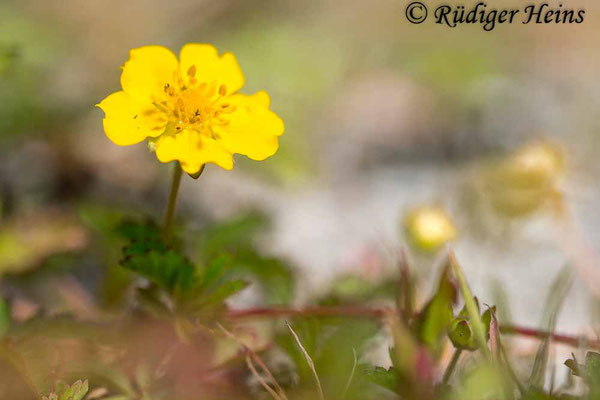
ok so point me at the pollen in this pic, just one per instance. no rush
(196, 106)
(190, 110)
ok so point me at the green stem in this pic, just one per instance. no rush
(170, 215)
(450, 368)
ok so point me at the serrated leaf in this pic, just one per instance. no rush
(222, 292)
(215, 271)
(165, 267)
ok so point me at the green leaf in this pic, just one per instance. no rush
(589, 372)
(433, 322)
(237, 238)
(273, 275)
(592, 365)
(387, 378)
(231, 234)
(214, 272)
(331, 343)
(165, 267)
(482, 381)
(76, 391)
(218, 295)
(149, 256)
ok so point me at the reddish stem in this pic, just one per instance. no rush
(574, 341)
(377, 313)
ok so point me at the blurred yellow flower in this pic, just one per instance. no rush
(429, 228)
(540, 160)
(526, 180)
(189, 110)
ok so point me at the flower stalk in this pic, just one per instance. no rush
(170, 214)
(451, 366)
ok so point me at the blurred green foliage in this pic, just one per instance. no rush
(174, 297)
(104, 296)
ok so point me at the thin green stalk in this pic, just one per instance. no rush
(450, 368)
(170, 215)
(472, 309)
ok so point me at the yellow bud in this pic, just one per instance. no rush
(429, 228)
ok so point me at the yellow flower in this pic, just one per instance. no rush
(429, 228)
(527, 180)
(189, 110)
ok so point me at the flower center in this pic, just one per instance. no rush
(198, 106)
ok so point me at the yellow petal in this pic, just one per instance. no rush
(253, 129)
(147, 71)
(127, 121)
(207, 66)
(192, 150)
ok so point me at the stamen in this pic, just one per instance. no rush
(228, 109)
(197, 107)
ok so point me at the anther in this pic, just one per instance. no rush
(228, 109)
(222, 90)
(192, 71)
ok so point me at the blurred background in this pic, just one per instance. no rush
(382, 118)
